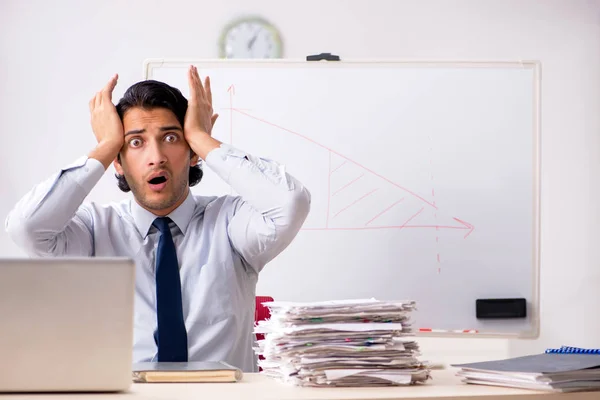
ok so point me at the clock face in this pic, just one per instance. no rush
(251, 38)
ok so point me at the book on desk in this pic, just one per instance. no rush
(565, 370)
(181, 372)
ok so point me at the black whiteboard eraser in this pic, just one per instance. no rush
(323, 57)
(500, 308)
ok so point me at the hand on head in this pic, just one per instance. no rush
(106, 124)
(199, 117)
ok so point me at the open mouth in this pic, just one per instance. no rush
(158, 180)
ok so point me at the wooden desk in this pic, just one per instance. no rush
(444, 385)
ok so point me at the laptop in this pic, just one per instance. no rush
(66, 324)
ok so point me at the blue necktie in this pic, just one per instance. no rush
(171, 336)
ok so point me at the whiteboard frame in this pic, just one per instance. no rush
(533, 308)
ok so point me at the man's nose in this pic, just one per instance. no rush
(156, 155)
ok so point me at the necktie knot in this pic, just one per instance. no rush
(162, 224)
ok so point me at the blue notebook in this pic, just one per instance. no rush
(572, 350)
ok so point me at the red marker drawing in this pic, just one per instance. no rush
(448, 330)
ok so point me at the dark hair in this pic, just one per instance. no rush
(151, 94)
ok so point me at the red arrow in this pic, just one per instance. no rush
(467, 225)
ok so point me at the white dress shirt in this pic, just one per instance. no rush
(222, 244)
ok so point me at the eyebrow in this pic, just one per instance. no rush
(162, 129)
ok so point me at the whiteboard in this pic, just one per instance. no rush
(424, 178)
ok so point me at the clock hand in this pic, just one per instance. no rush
(251, 42)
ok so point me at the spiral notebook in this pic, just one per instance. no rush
(572, 350)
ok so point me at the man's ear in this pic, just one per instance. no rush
(194, 159)
(118, 166)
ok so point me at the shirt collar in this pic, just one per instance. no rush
(181, 216)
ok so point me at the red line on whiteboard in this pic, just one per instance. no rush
(356, 201)
(436, 226)
(384, 211)
(364, 228)
(233, 109)
(328, 191)
(231, 91)
(448, 330)
(338, 154)
(435, 216)
(339, 166)
(468, 226)
(346, 185)
(413, 217)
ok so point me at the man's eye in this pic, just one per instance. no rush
(171, 138)
(135, 142)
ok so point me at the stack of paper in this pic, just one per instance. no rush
(341, 343)
(548, 372)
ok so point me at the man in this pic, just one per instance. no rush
(197, 258)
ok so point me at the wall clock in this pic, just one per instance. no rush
(250, 37)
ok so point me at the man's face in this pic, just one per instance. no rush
(155, 159)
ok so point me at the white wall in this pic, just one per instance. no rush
(55, 54)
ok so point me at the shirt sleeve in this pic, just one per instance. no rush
(271, 206)
(50, 219)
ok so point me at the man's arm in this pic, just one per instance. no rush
(272, 205)
(50, 219)
(271, 208)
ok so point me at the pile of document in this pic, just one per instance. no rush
(341, 343)
(546, 372)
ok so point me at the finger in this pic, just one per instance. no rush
(98, 99)
(195, 85)
(213, 119)
(199, 83)
(207, 90)
(110, 86)
(191, 83)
